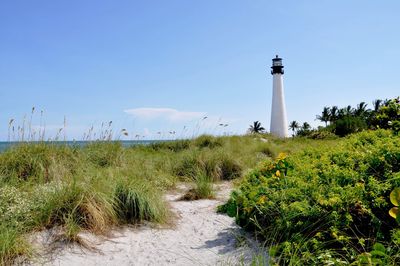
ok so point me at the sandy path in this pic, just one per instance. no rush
(200, 237)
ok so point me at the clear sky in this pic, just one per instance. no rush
(157, 66)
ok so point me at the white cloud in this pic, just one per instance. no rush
(165, 113)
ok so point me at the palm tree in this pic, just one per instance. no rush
(256, 127)
(349, 110)
(304, 130)
(345, 111)
(294, 126)
(377, 104)
(306, 126)
(361, 109)
(341, 113)
(333, 116)
(325, 115)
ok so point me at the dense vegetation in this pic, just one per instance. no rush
(323, 200)
(326, 205)
(348, 120)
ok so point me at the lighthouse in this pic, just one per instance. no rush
(279, 125)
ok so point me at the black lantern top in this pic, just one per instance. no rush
(277, 67)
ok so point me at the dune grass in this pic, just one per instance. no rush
(202, 188)
(101, 185)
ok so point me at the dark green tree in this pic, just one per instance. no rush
(256, 127)
(387, 114)
(349, 124)
(345, 111)
(361, 109)
(377, 104)
(333, 116)
(305, 130)
(294, 126)
(325, 115)
(306, 126)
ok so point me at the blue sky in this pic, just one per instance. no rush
(160, 66)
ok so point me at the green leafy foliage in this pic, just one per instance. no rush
(387, 115)
(326, 202)
(349, 124)
(349, 120)
(322, 134)
(379, 255)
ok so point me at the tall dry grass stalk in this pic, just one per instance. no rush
(10, 126)
(30, 124)
(65, 128)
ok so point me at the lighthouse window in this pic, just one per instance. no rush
(277, 63)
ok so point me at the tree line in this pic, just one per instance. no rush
(346, 120)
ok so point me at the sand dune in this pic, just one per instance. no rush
(199, 236)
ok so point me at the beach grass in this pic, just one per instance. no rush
(101, 185)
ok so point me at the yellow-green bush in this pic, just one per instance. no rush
(326, 202)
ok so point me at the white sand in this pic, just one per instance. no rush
(200, 236)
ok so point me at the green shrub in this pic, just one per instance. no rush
(207, 141)
(217, 165)
(37, 162)
(104, 154)
(395, 126)
(78, 203)
(25, 162)
(387, 115)
(228, 169)
(348, 125)
(187, 166)
(322, 134)
(175, 146)
(204, 187)
(269, 150)
(325, 200)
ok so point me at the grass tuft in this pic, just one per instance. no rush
(203, 189)
(137, 201)
(207, 141)
(104, 154)
(12, 245)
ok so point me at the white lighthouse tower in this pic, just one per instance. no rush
(279, 125)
